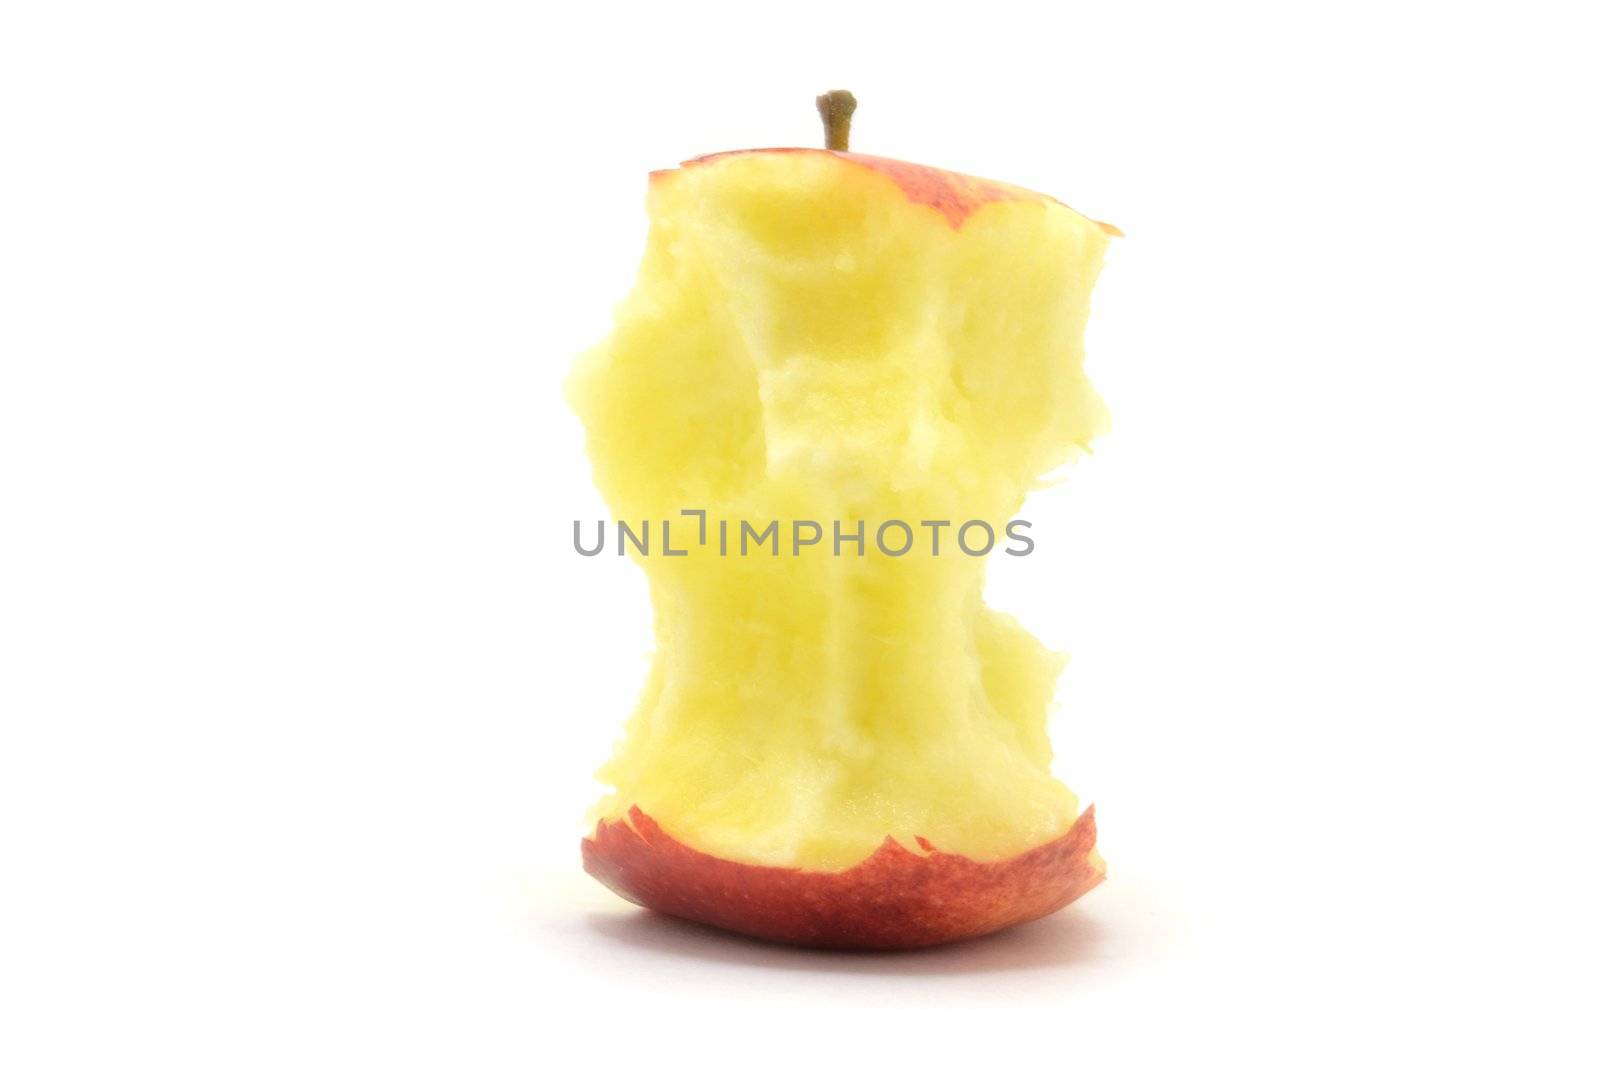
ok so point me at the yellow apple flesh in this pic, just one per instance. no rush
(826, 336)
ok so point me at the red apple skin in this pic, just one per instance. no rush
(894, 899)
(955, 196)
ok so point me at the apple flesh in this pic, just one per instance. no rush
(841, 748)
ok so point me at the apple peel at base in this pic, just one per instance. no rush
(895, 899)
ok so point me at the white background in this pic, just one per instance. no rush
(303, 685)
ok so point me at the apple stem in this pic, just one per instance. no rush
(836, 106)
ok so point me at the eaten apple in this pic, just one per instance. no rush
(843, 746)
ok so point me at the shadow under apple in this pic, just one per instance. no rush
(1065, 939)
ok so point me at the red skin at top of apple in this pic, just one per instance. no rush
(955, 196)
(894, 899)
